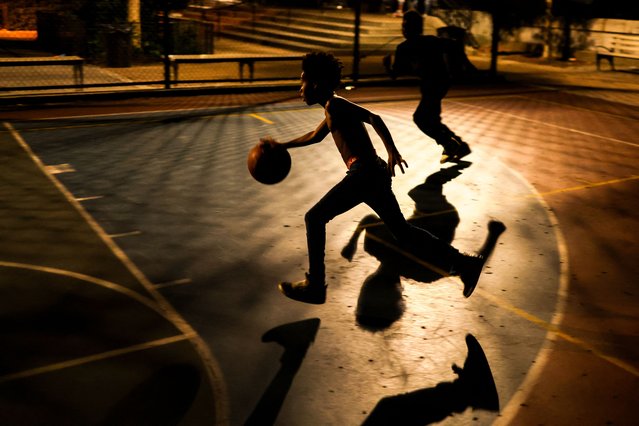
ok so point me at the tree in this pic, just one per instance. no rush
(507, 15)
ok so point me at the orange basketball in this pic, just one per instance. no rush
(269, 164)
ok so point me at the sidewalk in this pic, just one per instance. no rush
(580, 76)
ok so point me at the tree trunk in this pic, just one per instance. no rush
(133, 17)
(494, 44)
(566, 50)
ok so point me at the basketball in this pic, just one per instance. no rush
(269, 164)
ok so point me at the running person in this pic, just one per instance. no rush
(367, 180)
(426, 57)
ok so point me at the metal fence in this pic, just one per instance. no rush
(146, 52)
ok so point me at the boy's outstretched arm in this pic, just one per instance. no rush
(309, 138)
(394, 157)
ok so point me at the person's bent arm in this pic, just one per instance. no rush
(309, 138)
(394, 157)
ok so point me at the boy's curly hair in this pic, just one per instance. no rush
(322, 67)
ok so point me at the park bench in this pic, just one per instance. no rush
(75, 61)
(620, 46)
(242, 61)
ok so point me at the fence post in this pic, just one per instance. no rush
(358, 16)
(167, 44)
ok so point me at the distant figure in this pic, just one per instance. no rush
(402, 6)
(367, 180)
(427, 57)
(399, 10)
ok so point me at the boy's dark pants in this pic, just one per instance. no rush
(369, 182)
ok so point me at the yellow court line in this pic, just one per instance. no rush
(149, 303)
(555, 329)
(181, 281)
(580, 187)
(409, 256)
(93, 197)
(93, 358)
(126, 234)
(259, 117)
(415, 216)
(503, 304)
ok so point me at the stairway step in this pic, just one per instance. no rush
(341, 16)
(327, 26)
(298, 31)
(306, 44)
(301, 30)
(327, 39)
(292, 45)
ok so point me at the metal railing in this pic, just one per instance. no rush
(113, 60)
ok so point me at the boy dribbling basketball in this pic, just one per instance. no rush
(367, 180)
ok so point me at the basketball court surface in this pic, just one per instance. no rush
(140, 263)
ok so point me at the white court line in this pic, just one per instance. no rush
(181, 281)
(545, 101)
(214, 372)
(125, 234)
(94, 197)
(93, 358)
(56, 169)
(544, 123)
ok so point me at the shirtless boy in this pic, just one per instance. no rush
(367, 180)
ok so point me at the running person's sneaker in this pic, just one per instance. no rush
(304, 291)
(456, 152)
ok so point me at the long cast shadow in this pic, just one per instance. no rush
(296, 338)
(473, 388)
(380, 301)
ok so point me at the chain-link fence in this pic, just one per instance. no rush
(82, 45)
(95, 45)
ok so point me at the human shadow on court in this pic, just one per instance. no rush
(164, 398)
(296, 338)
(473, 388)
(380, 301)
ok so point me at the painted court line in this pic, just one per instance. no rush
(503, 304)
(259, 117)
(94, 197)
(125, 234)
(93, 358)
(544, 123)
(214, 372)
(555, 330)
(587, 186)
(56, 169)
(144, 300)
(181, 281)
(545, 101)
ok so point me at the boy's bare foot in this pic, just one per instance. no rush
(304, 291)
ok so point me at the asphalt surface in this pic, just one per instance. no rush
(139, 264)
